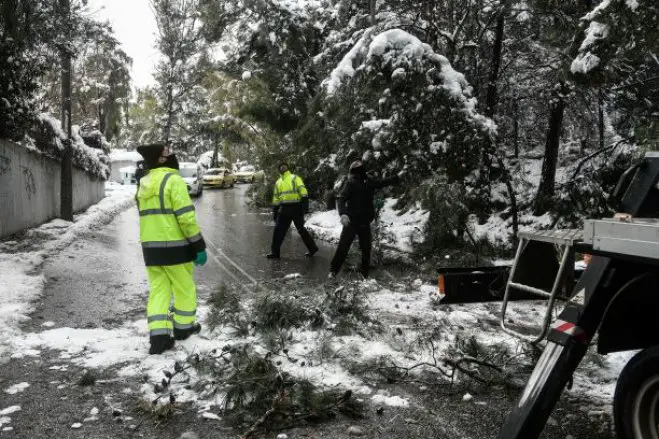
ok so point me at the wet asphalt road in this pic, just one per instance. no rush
(238, 235)
(101, 281)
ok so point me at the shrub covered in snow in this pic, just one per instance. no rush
(48, 138)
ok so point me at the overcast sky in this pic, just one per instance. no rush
(135, 27)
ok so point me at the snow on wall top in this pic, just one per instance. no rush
(91, 160)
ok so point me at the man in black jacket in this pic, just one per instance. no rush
(355, 205)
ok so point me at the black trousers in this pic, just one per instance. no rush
(284, 220)
(363, 232)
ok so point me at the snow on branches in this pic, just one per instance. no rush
(48, 138)
(411, 109)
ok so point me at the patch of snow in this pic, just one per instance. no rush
(586, 60)
(632, 4)
(246, 75)
(10, 410)
(391, 401)
(292, 276)
(17, 388)
(399, 231)
(21, 281)
(584, 63)
(346, 67)
(598, 10)
(209, 415)
(376, 125)
(399, 73)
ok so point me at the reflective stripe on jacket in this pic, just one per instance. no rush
(168, 226)
(289, 189)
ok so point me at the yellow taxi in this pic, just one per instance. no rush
(219, 177)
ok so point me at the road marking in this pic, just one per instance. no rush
(219, 250)
(217, 261)
(247, 275)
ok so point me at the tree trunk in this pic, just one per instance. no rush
(600, 122)
(548, 178)
(215, 151)
(372, 11)
(491, 103)
(516, 126)
(66, 182)
(492, 96)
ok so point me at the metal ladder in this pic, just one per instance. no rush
(538, 272)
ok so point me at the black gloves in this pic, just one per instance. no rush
(305, 204)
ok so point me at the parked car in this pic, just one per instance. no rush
(219, 177)
(192, 175)
(245, 174)
(249, 174)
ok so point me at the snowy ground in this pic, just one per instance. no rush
(397, 231)
(406, 311)
(21, 281)
(405, 316)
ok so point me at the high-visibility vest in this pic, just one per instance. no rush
(168, 226)
(289, 189)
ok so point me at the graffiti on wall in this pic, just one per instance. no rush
(30, 184)
(4, 164)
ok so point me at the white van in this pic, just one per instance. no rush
(191, 174)
(127, 175)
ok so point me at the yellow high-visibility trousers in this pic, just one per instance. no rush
(164, 281)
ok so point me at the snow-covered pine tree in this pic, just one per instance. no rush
(181, 43)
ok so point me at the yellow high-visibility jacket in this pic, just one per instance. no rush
(169, 232)
(289, 189)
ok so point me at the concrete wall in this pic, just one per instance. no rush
(30, 189)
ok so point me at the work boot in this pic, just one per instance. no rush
(160, 343)
(272, 256)
(310, 253)
(182, 334)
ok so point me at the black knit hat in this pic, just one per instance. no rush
(357, 167)
(151, 152)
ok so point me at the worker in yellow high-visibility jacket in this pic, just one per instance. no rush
(171, 243)
(290, 201)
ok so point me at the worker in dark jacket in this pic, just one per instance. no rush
(290, 201)
(355, 205)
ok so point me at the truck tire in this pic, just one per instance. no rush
(636, 400)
